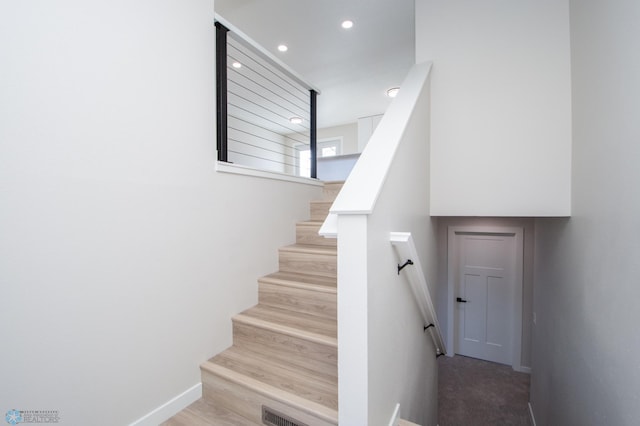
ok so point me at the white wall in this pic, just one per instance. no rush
(501, 134)
(441, 293)
(586, 345)
(402, 357)
(349, 134)
(366, 127)
(123, 254)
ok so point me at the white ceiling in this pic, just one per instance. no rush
(352, 68)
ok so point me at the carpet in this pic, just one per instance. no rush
(473, 392)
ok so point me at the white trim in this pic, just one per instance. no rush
(353, 324)
(518, 233)
(395, 416)
(329, 228)
(238, 169)
(533, 419)
(338, 139)
(252, 44)
(171, 407)
(524, 369)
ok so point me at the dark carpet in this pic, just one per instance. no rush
(472, 392)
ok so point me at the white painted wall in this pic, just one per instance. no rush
(586, 345)
(402, 357)
(123, 254)
(348, 133)
(336, 168)
(527, 224)
(501, 133)
(385, 357)
(366, 127)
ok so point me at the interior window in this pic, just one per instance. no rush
(326, 148)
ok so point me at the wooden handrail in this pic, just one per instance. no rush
(406, 251)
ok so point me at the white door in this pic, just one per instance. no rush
(485, 299)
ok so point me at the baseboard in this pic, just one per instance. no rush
(523, 369)
(533, 419)
(395, 416)
(171, 407)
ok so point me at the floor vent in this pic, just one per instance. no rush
(273, 418)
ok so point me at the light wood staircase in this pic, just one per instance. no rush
(285, 350)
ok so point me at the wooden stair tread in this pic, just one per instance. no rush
(322, 202)
(403, 422)
(205, 413)
(293, 279)
(308, 384)
(310, 249)
(297, 324)
(330, 380)
(293, 400)
(310, 223)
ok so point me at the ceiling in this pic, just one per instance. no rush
(351, 68)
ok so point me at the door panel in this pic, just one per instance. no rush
(473, 330)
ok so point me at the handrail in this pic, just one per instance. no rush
(407, 255)
(266, 112)
(362, 188)
(255, 46)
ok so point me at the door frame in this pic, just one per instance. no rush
(452, 262)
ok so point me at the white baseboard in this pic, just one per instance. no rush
(395, 416)
(533, 419)
(523, 369)
(171, 407)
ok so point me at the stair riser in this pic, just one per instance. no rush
(308, 234)
(298, 300)
(304, 384)
(248, 403)
(319, 210)
(323, 265)
(330, 190)
(293, 350)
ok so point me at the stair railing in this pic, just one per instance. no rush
(385, 355)
(408, 256)
(266, 112)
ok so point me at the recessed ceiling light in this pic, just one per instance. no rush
(347, 24)
(236, 64)
(283, 48)
(393, 92)
(296, 120)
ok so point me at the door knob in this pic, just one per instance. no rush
(461, 300)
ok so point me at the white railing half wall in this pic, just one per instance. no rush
(385, 357)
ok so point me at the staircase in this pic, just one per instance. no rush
(284, 355)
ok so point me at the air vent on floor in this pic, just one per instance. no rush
(273, 418)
